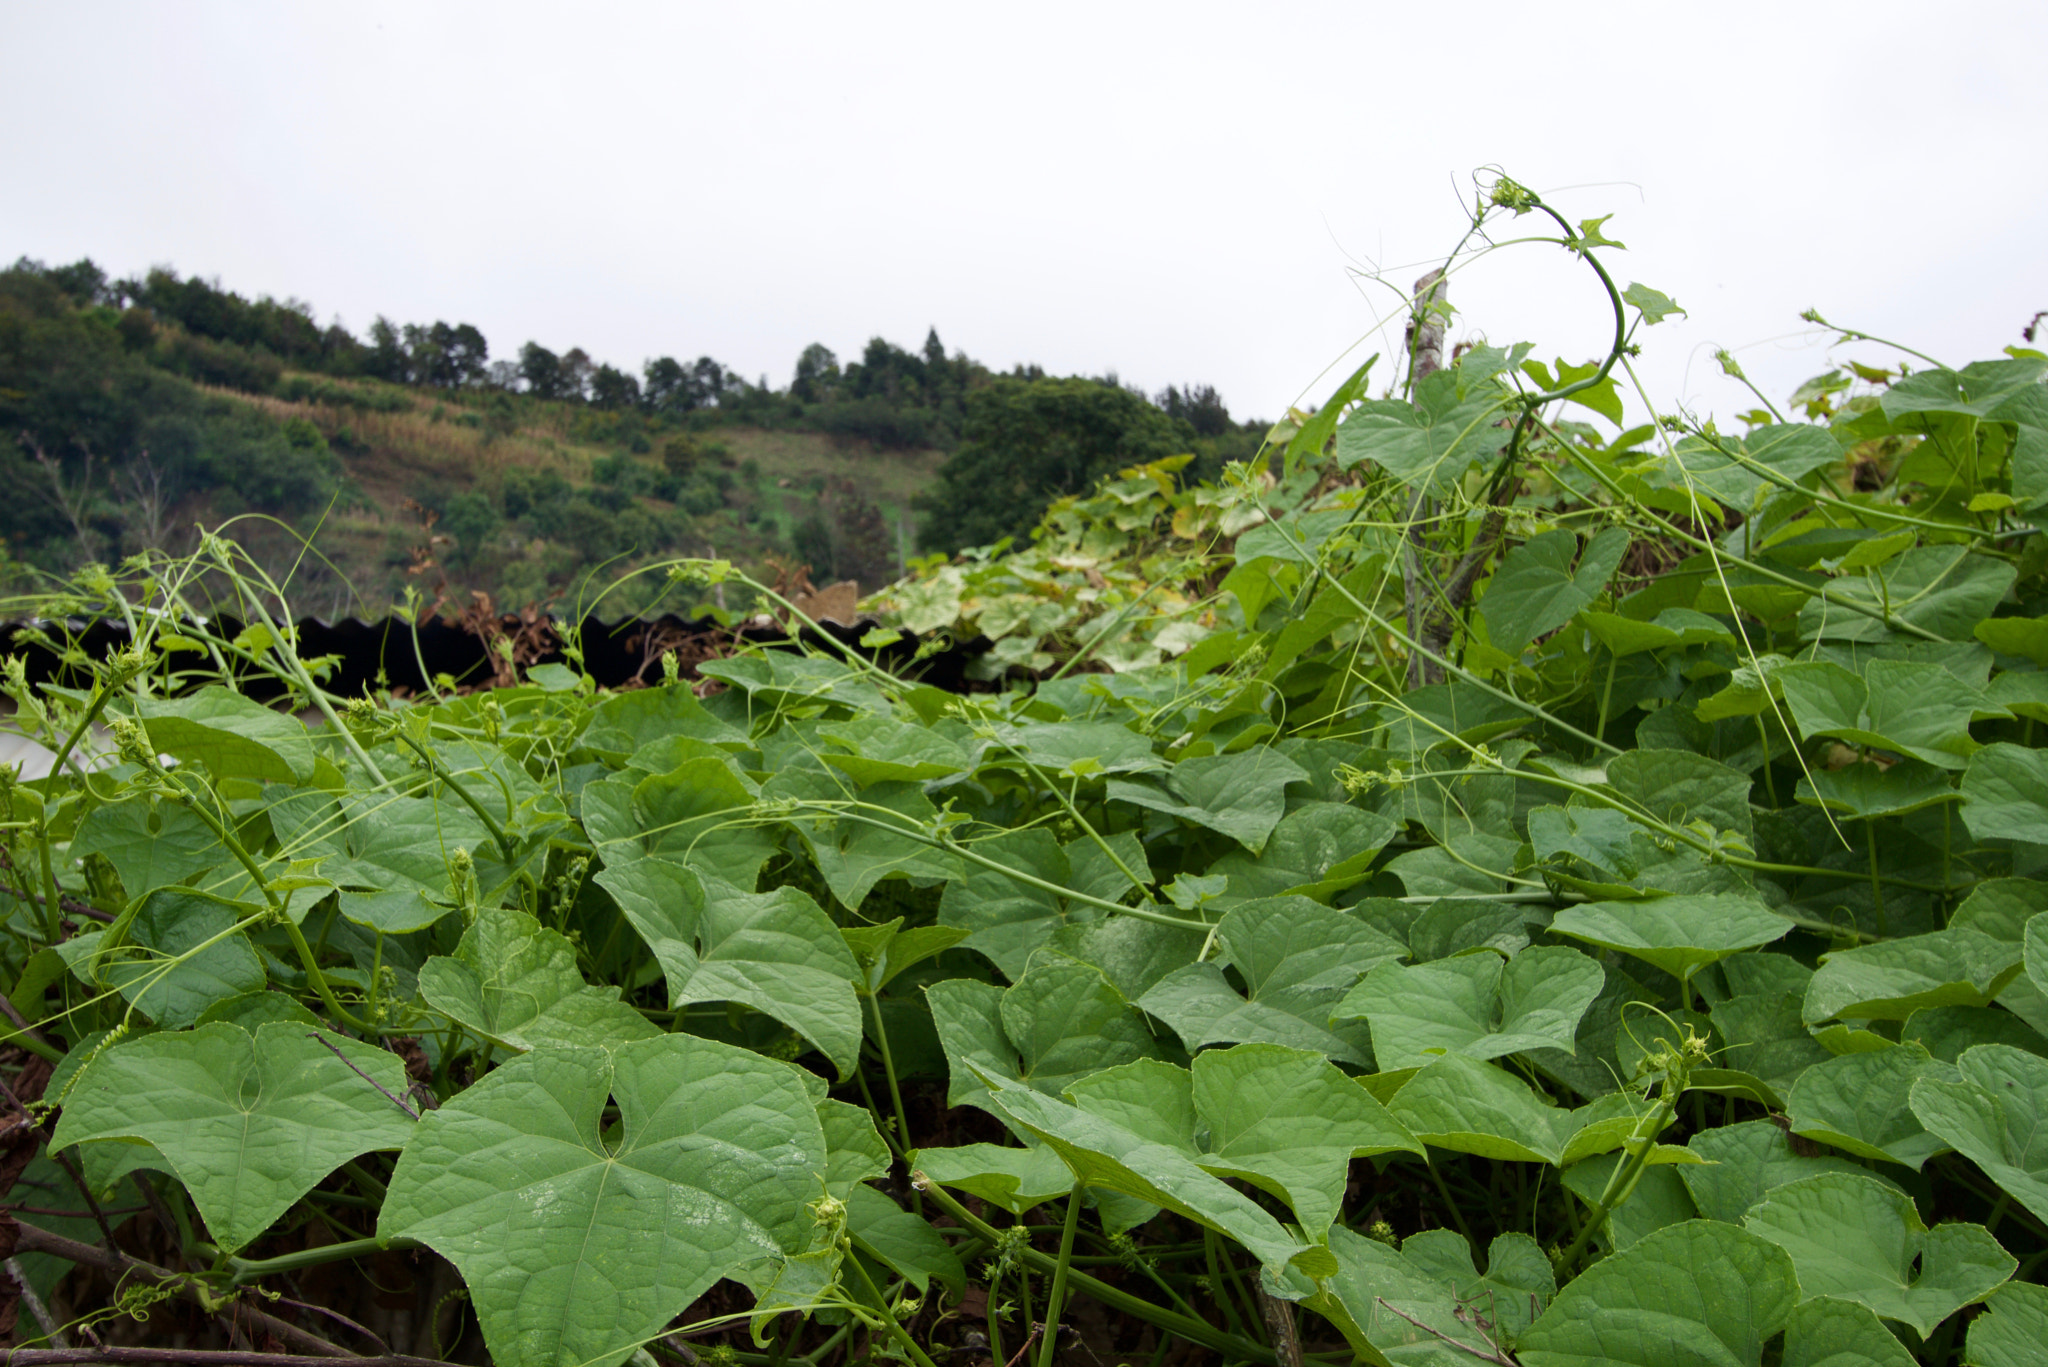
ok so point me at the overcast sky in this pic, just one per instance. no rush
(1179, 193)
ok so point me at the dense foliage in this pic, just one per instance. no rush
(1483, 886)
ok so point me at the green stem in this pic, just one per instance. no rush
(895, 1091)
(1054, 1298)
(247, 1270)
(1622, 1181)
(896, 1331)
(469, 799)
(1450, 1201)
(1184, 1326)
(1219, 1287)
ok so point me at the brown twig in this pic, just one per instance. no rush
(1494, 1355)
(410, 1113)
(35, 1239)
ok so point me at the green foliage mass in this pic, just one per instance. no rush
(1471, 885)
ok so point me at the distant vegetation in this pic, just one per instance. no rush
(130, 410)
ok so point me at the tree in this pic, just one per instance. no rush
(541, 369)
(388, 358)
(817, 374)
(576, 368)
(1029, 442)
(613, 388)
(1199, 406)
(665, 386)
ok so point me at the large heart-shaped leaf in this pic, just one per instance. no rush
(1858, 1103)
(1460, 1103)
(2012, 1328)
(1698, 1294)
(150, 844)
(230, 735)
(1402, 1307)
(1103, 1153)
(2005, 793)
(1537, 590)
(1862, 1240)
(1677, 934)
(248, 1123)
(1746, 1162)
(1474, 1004)
(1284, 1120)
(390, 856)
(1825, 1332)
(1993, 1110)
(777, 952)
(1892, 979)
(578, 1244)
(1242, 795)
(1062, 1020)
(168, 976)
(516, 982)
(1297, 958)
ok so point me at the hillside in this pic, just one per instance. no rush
(141, 409)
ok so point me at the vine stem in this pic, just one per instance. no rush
(896, 1331)
(1055, 1298)
(1183, 1326)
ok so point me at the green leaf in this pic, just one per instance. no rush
(1658, 1200)
(1858, 1104)
(1062, 1020)
(1682, 787)
(624, 722)
(1242, 795)
(1007, 919)
(230, 735)
(905, 1243)
(1892, 979)
(1862, 1240)
(1591, 236)
(1941, 589)
(513, 981)
(696, 815)
(1654, 305)
(855, 855)
(1746, 1162)
(1472, 1107)
(881, 952)
(1990, 1108)
(854, 1149)
(151, 844)
(1284, 1120)
(1536, 589)
(2003, 793)
(1401, 1307)
(173, 922)
(777, 952)
(1870, 790)
(1680, 935)
(1920, 710)
(1057, 747)
(388, 855)
(1105, 1154)
(2012, 1328)
(1474, 1005)
(2026, 637)
(248, 1123)
(1824, 1332)
(1014, 1179)
(1431, 442)
(1318, 850)
(1737, 471)
(886, 750)
(1297, 959)
(578, 1244)
(1698, 1294)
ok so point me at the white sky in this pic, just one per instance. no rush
(1177, 192)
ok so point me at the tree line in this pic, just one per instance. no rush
(86, 393)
